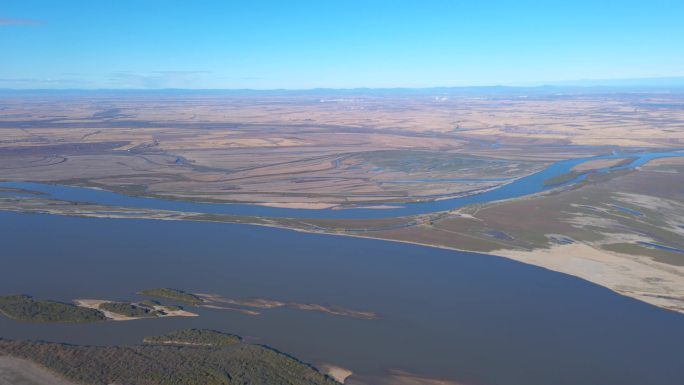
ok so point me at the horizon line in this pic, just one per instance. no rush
(491, 87)
(659, 82)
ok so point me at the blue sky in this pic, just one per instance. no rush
(339, 44)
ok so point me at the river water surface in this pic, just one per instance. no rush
(444, 314)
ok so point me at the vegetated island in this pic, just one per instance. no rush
(126, 311)
(26, 308)
(173, 294)
(588, 168)
(564, 178)
(188, 357)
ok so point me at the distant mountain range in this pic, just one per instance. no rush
(639, 82)
(661, 84)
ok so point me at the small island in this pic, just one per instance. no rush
(564, 178)
(26, 308)
(126, 311)
(173, 294)
(29, 309)
(589, 167)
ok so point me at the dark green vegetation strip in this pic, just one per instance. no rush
(128, 309)
(200, 337)
(25, 308)
(562, 178)
(149, 303)
(238, 363)
(174, 294)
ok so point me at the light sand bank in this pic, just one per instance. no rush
(638, 277)
(336, 372)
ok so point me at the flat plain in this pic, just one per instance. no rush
(618, 227)
(317, 149)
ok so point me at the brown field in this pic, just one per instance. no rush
(315, 148)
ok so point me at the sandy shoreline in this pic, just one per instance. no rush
(338, 373)
(637, 277)
(609, 273)
(640, 287)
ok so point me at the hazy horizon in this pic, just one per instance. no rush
(659, 83)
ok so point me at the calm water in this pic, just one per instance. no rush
(524, 186)
(445, 314)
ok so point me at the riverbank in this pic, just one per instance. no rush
(649, 282)
(610, 230)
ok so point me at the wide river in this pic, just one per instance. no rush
(441, 313)
(474, 318)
